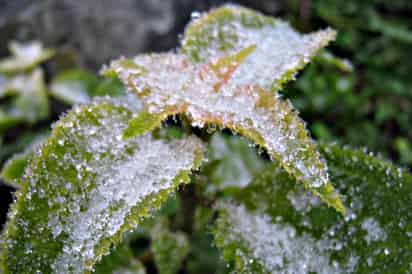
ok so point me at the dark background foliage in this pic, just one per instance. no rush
(369, 107)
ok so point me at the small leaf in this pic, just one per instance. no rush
(86, 186)
(280, 228)
(168, 84)
(74, 86)
(169, 248)
(280, 51)
(25, 56)
(326, 57)
(110, 86)
(30, 103)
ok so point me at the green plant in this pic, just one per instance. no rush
(109, 164)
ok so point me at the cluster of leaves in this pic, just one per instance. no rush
(112, 162)
(372, 103)
(26, 99)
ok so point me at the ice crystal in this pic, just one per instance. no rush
(86, 186)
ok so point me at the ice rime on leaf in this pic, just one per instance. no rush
(280, 50)
(86, 186)
(265, 246)
(169, 84)
(277, 223)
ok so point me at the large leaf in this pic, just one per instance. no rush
(24, 56)
(86, 186)
(276, 227)
(280, 50)
(169, 84)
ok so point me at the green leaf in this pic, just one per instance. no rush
(169, 84)
(275, 226)
(13, 170)
(25, 56)
(169, 248)
(74, 86)
(86, 186)
(280, 51)
(110, 86)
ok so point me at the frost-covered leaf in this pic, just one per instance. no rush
(168, 84)
(30, 103)
(13, 170)
(24, 56)
(280, 50)
(169, 248)
(276, 227)
(74, 86)
(86, 186)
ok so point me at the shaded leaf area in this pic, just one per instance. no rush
(24, 57)
(280, 51)
(85, 187)
(232, 163)
(79, 86)
(170, 84)
(13, 169)
(120, 261)
(27, 100)
(274, 226)
(169, 248)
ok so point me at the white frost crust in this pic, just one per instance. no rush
(278, 247)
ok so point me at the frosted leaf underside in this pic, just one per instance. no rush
(86, 186)
(274, 226)
(280, 50)
(170, 83)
